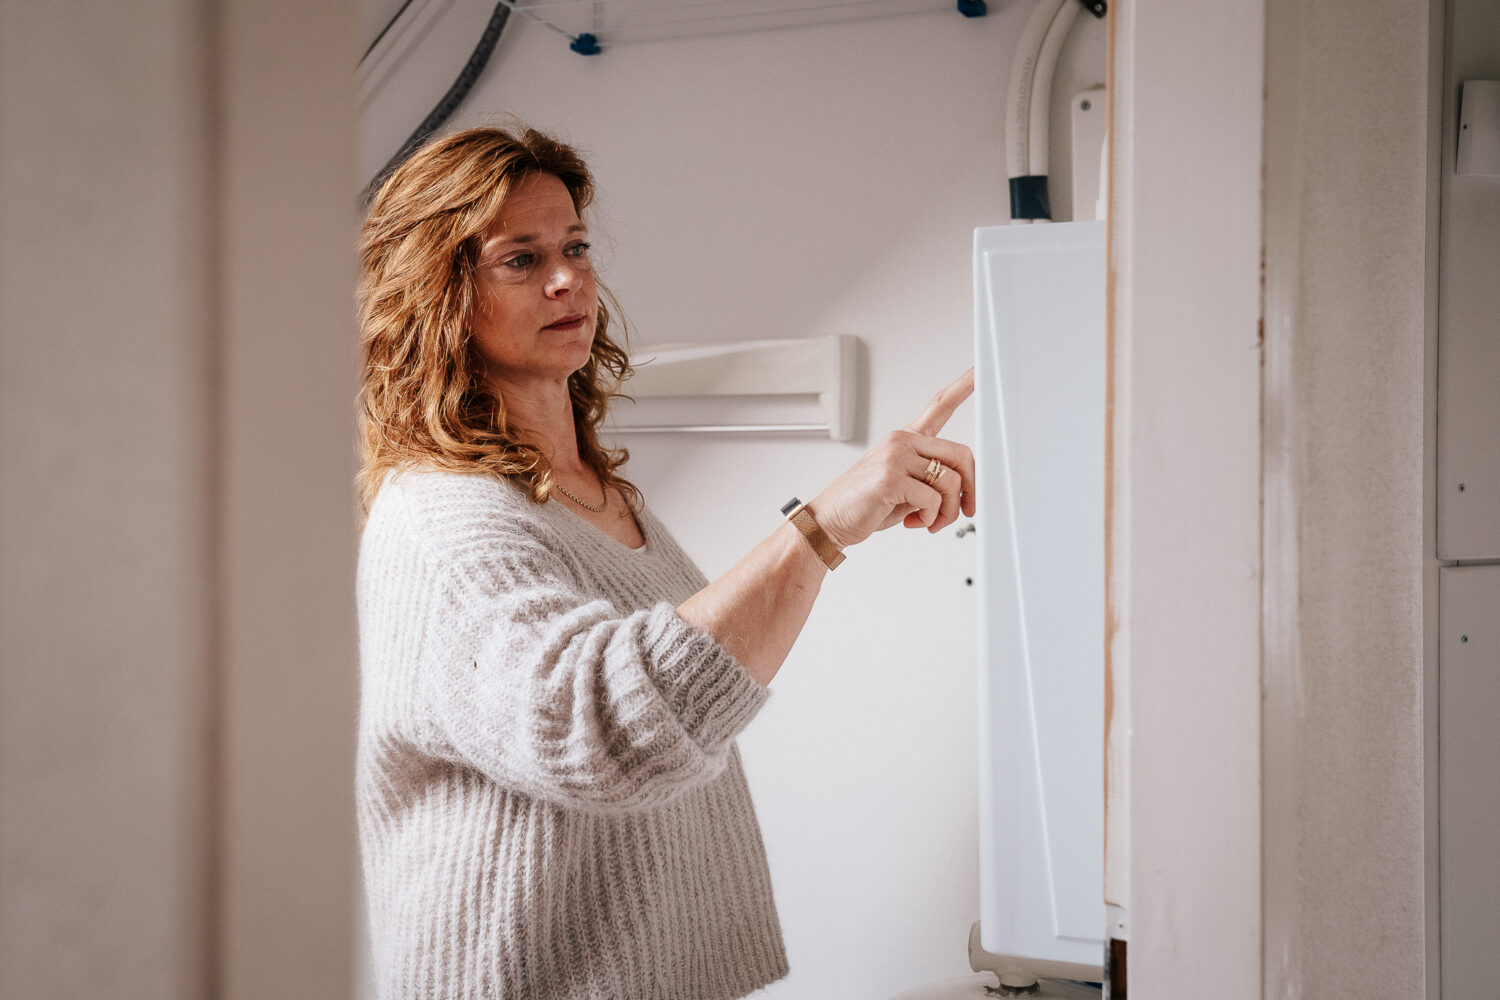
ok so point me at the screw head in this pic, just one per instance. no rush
(1460, 487)
(1086, 105)
(1463, 639)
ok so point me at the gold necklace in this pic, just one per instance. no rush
(580, 502)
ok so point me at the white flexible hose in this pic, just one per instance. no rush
(1018, 102)
(1039, 119)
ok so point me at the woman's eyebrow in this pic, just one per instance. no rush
(577, 227)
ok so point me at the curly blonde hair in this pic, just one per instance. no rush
(423, 398)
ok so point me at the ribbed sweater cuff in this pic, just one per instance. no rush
(713, 695)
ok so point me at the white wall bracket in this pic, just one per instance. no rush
(825, 367)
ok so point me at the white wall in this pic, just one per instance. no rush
(786, 184)
(1184, 608)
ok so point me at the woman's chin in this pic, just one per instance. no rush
(579, 357)
(558, 367)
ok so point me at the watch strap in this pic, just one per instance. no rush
(802, 519)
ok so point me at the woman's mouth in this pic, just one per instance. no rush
(567, 323)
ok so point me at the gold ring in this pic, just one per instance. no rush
(934, 471)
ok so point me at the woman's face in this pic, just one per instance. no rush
(537, 298)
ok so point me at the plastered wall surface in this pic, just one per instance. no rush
(288, 363)
(105, 503)
(177, 663)
(1347, 325)
(797, 183)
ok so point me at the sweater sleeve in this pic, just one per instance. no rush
(564, 697)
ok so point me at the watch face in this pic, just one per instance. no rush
(789, 506)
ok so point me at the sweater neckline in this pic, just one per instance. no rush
(608, 539)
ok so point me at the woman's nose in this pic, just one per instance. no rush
(566, 276)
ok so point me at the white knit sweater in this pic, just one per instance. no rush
(551, 804)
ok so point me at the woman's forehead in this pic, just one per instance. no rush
(537, 207)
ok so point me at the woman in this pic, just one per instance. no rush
(551, 801)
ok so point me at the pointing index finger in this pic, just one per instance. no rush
(943, 404)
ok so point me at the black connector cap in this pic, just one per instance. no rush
(1028, 198)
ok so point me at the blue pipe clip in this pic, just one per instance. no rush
(585, 45)
(972, 8)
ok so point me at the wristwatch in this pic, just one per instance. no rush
(801, 517)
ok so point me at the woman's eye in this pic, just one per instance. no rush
(579, 249)
(520, 261)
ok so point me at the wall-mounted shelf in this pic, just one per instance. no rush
(591, 24)
(681, 388)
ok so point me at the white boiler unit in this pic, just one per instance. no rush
(1040, 359)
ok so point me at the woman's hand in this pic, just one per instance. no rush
(757, 609)
(890, 482)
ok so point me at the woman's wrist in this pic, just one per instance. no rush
(806, 522)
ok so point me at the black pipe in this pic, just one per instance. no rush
(451, 100)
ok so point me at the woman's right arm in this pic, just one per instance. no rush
(480, 647)
(758, 608)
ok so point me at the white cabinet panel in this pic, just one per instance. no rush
(1040, 372)
(1469, 780)
(1468, 398)
(1469, 372)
